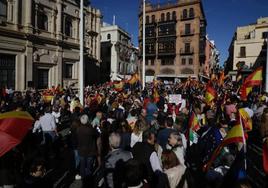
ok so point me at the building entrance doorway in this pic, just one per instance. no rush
(7, 71)
(42, 78)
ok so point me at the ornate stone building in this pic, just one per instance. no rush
(39, 42)
(175, 39)
(119, 56)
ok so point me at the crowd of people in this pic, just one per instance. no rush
(128, 138)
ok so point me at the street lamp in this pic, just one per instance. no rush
(81, 63)
(143, 47)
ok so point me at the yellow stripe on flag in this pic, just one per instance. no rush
(16, 114)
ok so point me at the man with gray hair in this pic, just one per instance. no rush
(115, 161)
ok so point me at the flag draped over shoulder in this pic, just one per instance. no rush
(210, 94)
(13, 127)
(235, 135)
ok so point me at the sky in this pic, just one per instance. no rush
(223, 17)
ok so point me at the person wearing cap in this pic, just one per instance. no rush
(87, 138)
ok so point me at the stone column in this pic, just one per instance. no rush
(98, 23)
(16, 13)
(53, 17)
(20, 72)
(59, 20)
(28, 16)
(59, 67)
(29, 63)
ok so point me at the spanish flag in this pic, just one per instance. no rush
(244, 91)
(235, 135)
(255, 78)
(119, 86)
(48, 98)
(134, 78)
(246, 119)
(221, 78)
(193, 126)
(210, 94)
(13, 128)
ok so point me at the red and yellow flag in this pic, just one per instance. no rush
(155, 95)
(255, 78)
(13, 127)
(119, 86)
(210, 94)
(134, 78)
(246, 119)
(221, 78)
(235, 135)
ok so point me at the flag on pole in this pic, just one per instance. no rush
(13, 127)
(235, 135)
(255, 78)
(210, 94)
(193, 126)
(246, 119)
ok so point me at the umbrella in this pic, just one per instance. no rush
(14, 126)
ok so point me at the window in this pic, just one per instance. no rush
(265, 35)
(168, 61)
(183, 61)
(187, 28)
(153, 18)
(7, 71)
(190, 61)
(162, 17)
(168, 16)
(184, 13)
(187, 47)
(68, 26)
(174, 15)
(191, 13)
(242, 51)
(69, 71)
(3, 9)
(147, 19)
(42, 21)
(42, 78)
(152, 62)
(108, 36)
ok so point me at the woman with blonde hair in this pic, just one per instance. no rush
(136, 135)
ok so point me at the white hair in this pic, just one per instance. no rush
(114, 140)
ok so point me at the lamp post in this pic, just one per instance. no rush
(81, 64)
(143, 46)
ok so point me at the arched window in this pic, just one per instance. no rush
(68, 26)
(162, 17)
(3, 9)
(108, 36)
(184, 13)
(191, 13)
(168, 16)
(147, 19)
(153, 18)
(173, 15)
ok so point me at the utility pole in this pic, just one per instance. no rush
(143, 47)
(81, 64)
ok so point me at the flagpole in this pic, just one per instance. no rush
(143, 46)
(244, 142)
(81, 64)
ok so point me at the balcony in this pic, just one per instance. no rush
(166, 52)
(167, 33)
(167, 22)
(186, 51)
(185, 18)
(187, 33)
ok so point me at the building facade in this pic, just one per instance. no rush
(211, 64)
(39, 42)
(174, 39)
(119, 56)
(250, 44)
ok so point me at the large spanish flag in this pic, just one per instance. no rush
(210, 94)
(13, 127)
(235, 135)
(255, 78)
